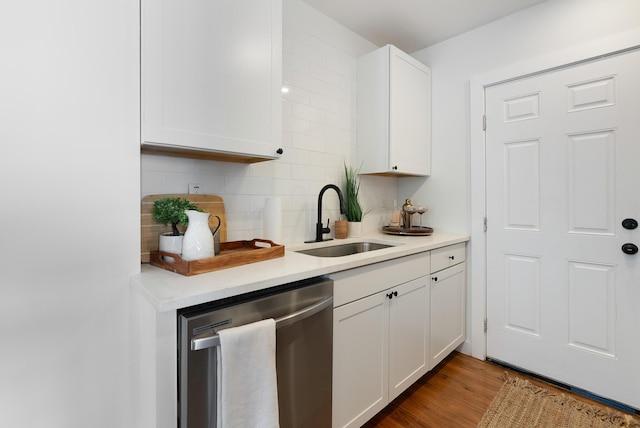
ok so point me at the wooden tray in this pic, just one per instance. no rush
(408, 231)
(235, 253)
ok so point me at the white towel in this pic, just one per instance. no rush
(247, 382)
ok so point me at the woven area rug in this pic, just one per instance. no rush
(522, 404)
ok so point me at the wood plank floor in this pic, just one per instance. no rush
(455, 394)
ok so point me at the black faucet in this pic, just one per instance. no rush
(320, 229)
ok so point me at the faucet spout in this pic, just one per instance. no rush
(320, 229)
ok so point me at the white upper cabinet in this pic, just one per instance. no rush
(394, 114)
(211, 78)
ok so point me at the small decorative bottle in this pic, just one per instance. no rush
(407, 213)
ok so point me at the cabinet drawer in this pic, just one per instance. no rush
(444, 257)
(364, 281)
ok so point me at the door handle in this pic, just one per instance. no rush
(629, 223)
(213, 341)
(630, 248)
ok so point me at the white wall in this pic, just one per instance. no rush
(554, 29)
(69, 202)
(319, 67)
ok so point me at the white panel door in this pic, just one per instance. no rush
(563, 172)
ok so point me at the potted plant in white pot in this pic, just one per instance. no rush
(171, 210)
(354, 209)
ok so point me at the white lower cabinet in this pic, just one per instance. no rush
(381, 340)
(360, 354)
(408, 335)
(447, 307)
(392, 323)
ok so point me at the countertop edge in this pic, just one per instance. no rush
(168, 291)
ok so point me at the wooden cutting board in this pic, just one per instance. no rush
(150, 229)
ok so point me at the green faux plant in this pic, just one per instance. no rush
(172, 210)
(352, 189)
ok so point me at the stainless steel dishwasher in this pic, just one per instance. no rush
(304, 350)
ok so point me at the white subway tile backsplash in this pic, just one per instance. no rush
(307, 172)
(345, 69)
(308, 142)
(308, 112)
(247, 185)
(340, 120)
(319, 68)
(305, 52)
(234, 204)
(308, 82)
(297, 157)
(211, 184)
(294, 124)
(295, 94)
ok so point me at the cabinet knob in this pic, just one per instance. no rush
(395, 167)
(391, 295)
(435, 278)
(280, 151)
(452, 257)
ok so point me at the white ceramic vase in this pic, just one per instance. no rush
(354, 229)
(170, 243)
(198, 239)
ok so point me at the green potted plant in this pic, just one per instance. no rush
(171, 210)
(354, 209)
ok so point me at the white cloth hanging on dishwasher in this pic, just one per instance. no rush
(247, 383)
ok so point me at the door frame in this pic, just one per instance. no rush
(477, 246)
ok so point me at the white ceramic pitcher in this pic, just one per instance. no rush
(198, 239)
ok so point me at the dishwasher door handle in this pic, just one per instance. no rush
(213, 341)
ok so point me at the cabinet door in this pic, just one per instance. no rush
(360, 355)
(394, 114)
(211, 76)
(447, 312)
(408, 334)
(409, 115)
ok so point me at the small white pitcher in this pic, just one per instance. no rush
(198, 239)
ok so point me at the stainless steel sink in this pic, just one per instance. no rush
(344, 249)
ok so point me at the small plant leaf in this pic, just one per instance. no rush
(171, 210)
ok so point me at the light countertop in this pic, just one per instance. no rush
(170, 291)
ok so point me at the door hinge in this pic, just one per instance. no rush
(484, 224)
(484, 122)
(485, 324)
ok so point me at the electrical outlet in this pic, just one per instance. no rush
(195, 188)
